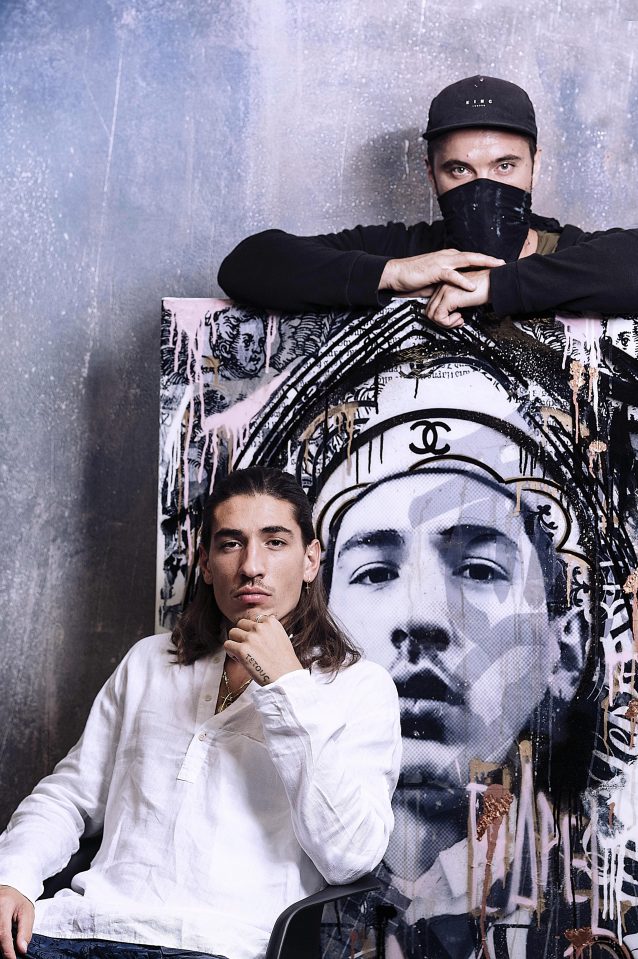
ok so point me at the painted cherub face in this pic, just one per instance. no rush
(246, 354)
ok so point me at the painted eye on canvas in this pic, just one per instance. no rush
(374, 575)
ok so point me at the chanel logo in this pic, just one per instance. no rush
(430, 437)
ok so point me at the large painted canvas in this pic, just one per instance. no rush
(475, 496)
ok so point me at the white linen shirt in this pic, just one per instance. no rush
(213, 824)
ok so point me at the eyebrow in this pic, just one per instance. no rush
(477, 531)
(376, 538)
(393, 539)
(447, 164)
(240, 533)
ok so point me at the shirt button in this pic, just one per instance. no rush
(202, 737)
(207, 698)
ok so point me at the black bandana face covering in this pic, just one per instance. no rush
(484, 216)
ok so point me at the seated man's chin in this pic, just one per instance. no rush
(255, 611)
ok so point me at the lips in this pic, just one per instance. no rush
(250, 591)
(430, 706)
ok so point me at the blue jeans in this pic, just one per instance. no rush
(43, 947)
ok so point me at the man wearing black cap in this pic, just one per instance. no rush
(489, 248)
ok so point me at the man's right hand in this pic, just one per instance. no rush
(420, 275)
(16, 912)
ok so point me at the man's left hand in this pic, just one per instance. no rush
(446, 301)
(262, 646)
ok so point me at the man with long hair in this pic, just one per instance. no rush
(233, 773)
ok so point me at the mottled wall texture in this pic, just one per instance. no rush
(140, 139)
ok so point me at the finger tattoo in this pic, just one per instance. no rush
(263, 676)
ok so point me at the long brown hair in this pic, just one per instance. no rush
(316, 636)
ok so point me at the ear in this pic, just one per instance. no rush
(570, 632)
(203, 566)
(432, 181)
(538, 156)
(312, 560)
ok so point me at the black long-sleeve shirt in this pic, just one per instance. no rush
(587, 272)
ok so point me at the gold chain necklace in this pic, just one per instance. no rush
(230, 696)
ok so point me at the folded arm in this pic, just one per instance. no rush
(588, 272)
(339, 762)
(286, 272)
(362, 267)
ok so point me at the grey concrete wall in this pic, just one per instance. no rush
(139, 141)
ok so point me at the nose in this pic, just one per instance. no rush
(429, 592)
(417, 641)
(426, 626)
(252, 561)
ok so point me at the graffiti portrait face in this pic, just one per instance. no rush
(246, 352)
(436, 578)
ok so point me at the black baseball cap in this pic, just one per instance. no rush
(481, 102)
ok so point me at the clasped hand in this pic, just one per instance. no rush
(437, 276)
(261, 644)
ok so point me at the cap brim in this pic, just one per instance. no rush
(439, 131)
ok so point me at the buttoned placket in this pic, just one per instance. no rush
(207, 721)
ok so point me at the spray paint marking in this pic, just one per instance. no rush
(630, 587)
(632, 716)
(582, 338)
(343, 415)
(580, 939)
(271, 333)
(563, 418)
(595, 448)
(577, 381)
(496, 803)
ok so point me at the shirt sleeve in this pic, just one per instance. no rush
(339, 759)
(282, 271)
(45, 829)
(588, 272)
